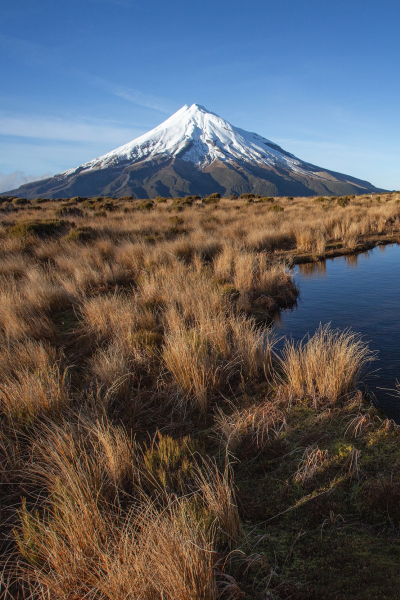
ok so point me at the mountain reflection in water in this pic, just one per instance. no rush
(361, 292)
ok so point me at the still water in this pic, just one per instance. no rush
(360, 292)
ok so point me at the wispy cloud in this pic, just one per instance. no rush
(136, 97)
(73, 130)
(12, 181)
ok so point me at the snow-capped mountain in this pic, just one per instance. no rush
(195, 152)
(199, 137)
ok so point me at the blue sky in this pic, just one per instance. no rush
(80, 78)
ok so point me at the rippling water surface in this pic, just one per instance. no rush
(360, 292)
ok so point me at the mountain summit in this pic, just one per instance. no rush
(196, 152)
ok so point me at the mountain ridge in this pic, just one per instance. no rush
(196, 152)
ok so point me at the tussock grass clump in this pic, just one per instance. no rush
(86, 455)
(127, 343)
(204, 358)
(219, 497)
(19, 319)
(309, 240)
(327, 365)
(29, 394)
(115, 316)
(262, 286)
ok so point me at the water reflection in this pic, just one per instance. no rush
(309, 270)
(352, 260)
(361, 292)
(277, 318)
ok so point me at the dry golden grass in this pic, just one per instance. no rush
(257, 425)
(204, 357)
(116, 328)
(86, 543)
(218, 494)
(313, 460)
(37, 386)
(359, 425)
(327, 365)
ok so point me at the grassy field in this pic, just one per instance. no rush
(153, 444)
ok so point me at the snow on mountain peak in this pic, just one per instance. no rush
(196, 135)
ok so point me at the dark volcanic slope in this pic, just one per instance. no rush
(196, 152)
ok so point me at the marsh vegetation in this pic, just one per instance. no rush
(153, 442)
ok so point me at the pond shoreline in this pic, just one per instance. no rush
(338, 249)
(346, 293)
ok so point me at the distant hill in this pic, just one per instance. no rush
(195, 152)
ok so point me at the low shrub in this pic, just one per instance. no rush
(110, 206)
(45, 228)
(78, 199)
(180, 203)
(343, 201)
(20, 201)
(276, 208)
(69, 211)
(145, 205)
(176, 221)
(7, 207)
(82, 234)
(212, 199)
(89, 204)
(169, 463)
